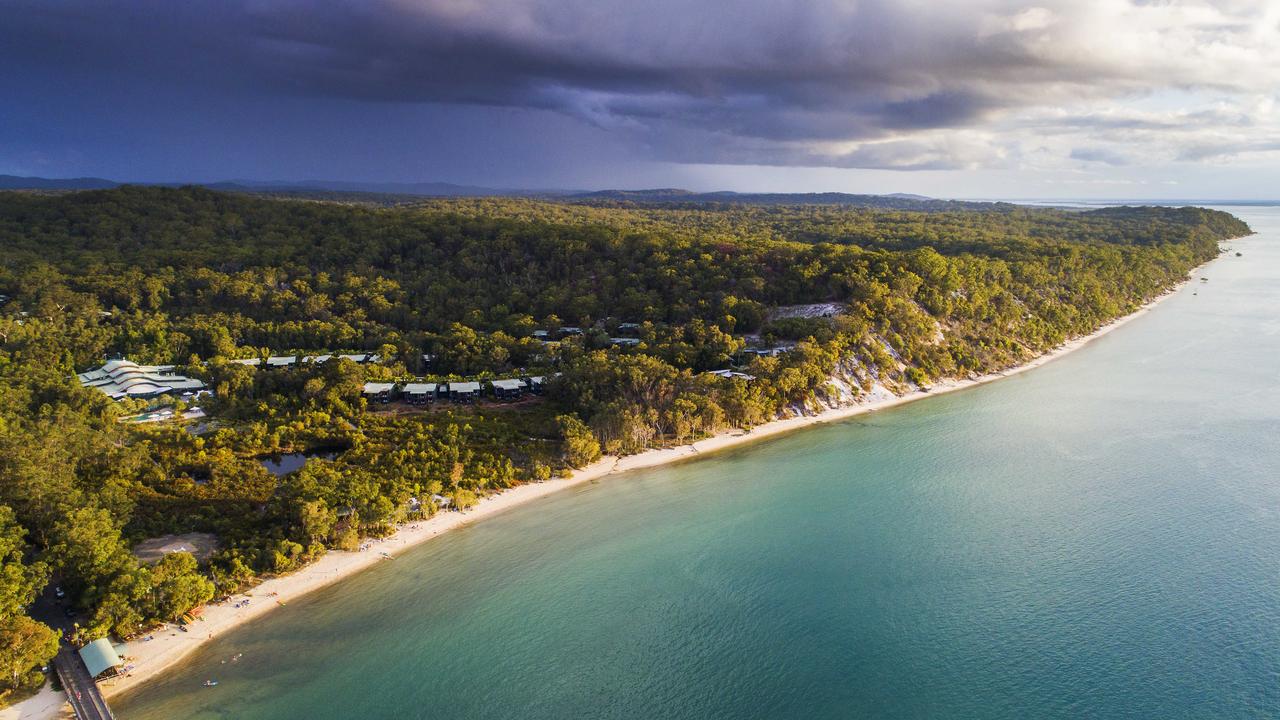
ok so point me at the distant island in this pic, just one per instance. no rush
(200, 389)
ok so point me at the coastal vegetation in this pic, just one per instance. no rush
(449, 289)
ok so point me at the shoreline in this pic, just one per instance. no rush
(147, 659)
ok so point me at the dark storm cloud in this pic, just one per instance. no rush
(853, 83)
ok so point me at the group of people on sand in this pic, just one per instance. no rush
(245, 602)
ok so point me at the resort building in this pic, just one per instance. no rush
(419, 393)
(508, 389)
(286, 361)
(379, 392)
(464, 392)
(122, 378)
(535, 384)
(749, 353)
(624, 341)
(732, 375)
(357, 358)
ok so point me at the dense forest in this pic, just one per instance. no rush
(450, 289)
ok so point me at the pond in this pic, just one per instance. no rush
(286, 463)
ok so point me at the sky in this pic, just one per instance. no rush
(974, 98)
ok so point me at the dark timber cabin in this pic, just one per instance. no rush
(508, 389)
(464, 392)
(419, 393)
(379, 392)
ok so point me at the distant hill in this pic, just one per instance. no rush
(18, 182)
(896, 201)
(655, 195)
(395, 193)
(424, 189)
(301, 187)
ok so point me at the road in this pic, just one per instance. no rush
(82, 692)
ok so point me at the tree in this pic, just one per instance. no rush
(19, 582)
(177, 586)
(87, 548)
(316, 520)
(625, 428)
(464, 499)
(681, 418)
(580, 446)
(123, 607)
(285, 556)
(25, 646)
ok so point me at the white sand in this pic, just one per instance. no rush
(150, 658)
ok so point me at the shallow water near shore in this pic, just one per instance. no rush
(1099, 537)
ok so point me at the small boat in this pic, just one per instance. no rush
(210, 683)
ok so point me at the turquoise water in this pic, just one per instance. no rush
(1099, 537)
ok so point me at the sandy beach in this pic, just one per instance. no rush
(146, 658)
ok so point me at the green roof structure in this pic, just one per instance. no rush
(99, 656)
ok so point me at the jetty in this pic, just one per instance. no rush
(82, 692)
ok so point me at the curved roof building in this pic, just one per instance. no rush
(122, 378)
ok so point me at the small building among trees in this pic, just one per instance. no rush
(281, 361)
(379, 392)
(419, 393)
(511, 389)
(535, 384)
(464, 392)
(732, 375)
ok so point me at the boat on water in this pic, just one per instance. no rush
(210, 683)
